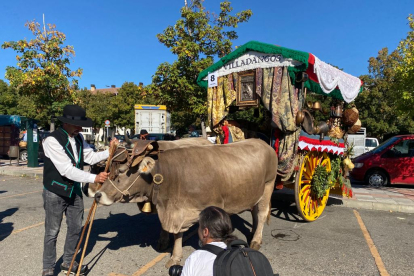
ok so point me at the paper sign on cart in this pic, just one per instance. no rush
(212, 79)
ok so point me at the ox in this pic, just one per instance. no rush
(235, 177)
(90, 189)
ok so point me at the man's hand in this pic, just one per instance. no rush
(100, 178)
(114, 141)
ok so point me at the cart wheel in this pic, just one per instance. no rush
(310, 207)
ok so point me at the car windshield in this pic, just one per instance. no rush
(371, 143)
(385, 144)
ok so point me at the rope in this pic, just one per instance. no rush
(112, 159)
(125, 192)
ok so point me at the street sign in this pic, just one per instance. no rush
(107, 122)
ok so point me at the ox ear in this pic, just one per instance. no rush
(146, 165)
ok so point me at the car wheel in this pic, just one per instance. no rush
(377, 179)
(23, 155)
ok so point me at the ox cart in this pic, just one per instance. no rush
(313, 156)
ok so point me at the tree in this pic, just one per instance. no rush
(405, 70)
(8, 99)
(378, 103)
(122, 106)
(42, 74)
(196, 38)
(96, 106)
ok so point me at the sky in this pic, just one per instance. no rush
(115, 41)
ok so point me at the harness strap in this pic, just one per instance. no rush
(157, 179)
(125, 192)
(112, 159)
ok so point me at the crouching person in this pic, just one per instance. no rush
(221, 253)
(214, 228)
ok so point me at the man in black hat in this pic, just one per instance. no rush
(65, 154)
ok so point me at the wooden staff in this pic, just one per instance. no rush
(81, 237)
(112, 151)
(87, 238)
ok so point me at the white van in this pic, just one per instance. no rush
(361, 142)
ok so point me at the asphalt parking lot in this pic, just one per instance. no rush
(123, 240)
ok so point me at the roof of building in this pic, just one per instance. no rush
(113, 90)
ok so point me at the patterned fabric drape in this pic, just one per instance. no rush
(236, 133)
(285, 104)
(229, 91)
(220, 98)
(279, 96)
(288, 149)
(259, 81)
(276, 96)
(267, 86)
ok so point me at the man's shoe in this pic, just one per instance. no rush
(47, 272)
(65, 267)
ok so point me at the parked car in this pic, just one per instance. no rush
(41, 153)
(23, 146)
(392, 162)
(120, 138)
(135, 137)
(156, 136)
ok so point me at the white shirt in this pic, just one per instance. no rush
(56, 153)
(200, 262)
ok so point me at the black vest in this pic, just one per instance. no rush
(52, 180)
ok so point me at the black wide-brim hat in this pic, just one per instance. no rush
(75, 115)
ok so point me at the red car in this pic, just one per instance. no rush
(392, 162)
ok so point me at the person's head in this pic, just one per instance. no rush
(143, 134)
(214, 225)
(73, 119)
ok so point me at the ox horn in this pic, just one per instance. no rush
(127, 140)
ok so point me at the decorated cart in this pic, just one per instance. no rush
(313, 157)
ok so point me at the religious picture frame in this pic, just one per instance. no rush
(246, 95)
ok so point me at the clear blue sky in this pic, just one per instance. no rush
(115, 41)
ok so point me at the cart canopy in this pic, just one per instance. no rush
(323, 78)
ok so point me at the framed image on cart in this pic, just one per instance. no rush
(246, 95)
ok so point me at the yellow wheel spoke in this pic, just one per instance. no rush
(310, 207)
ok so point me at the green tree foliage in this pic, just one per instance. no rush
(8, 99)
(42, 74)
(378, 103)
(405, 70)
(96, 105)
(196, 38)
(122, 105)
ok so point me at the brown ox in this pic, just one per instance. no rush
(90, 189)
(236, 177)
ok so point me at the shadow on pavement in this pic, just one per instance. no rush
(139, 230)
(6, 228)
(285, 208)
